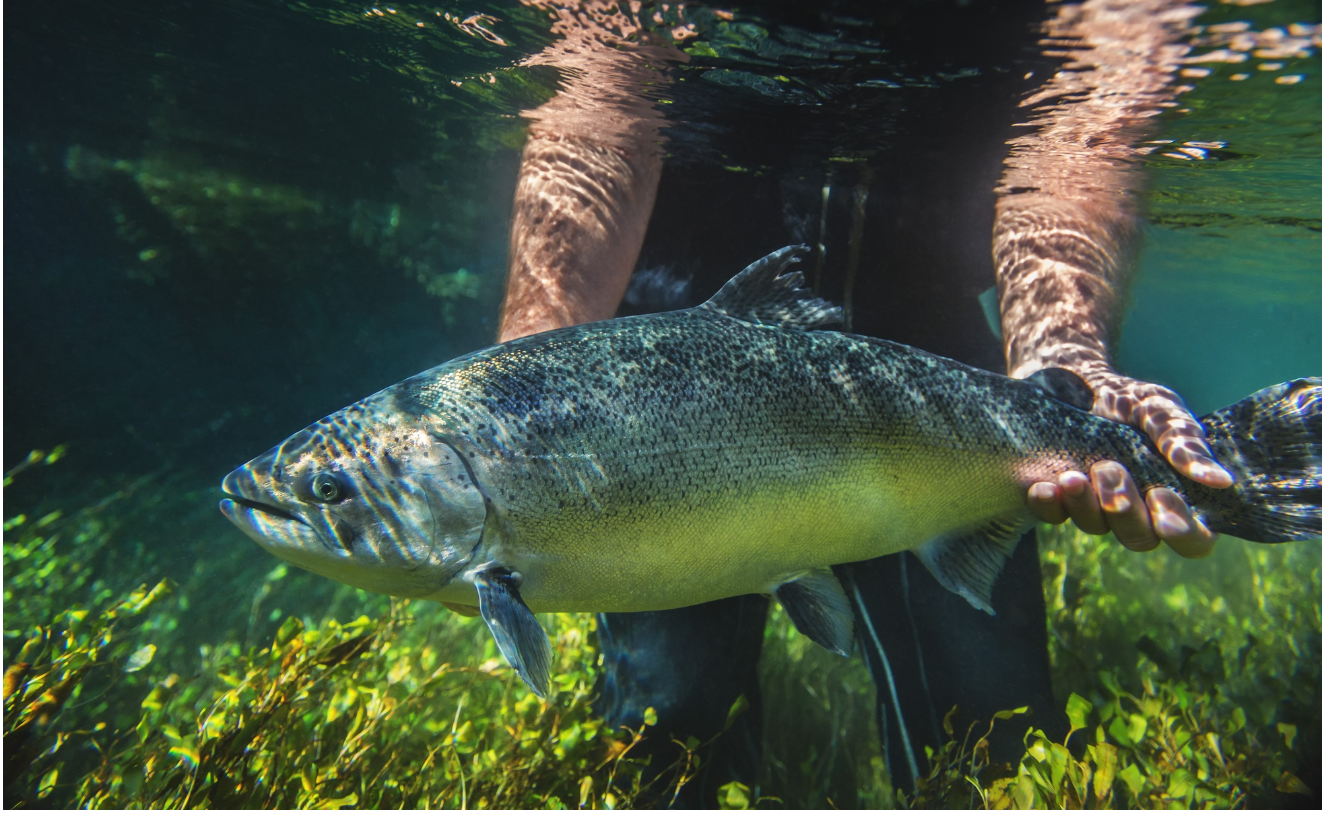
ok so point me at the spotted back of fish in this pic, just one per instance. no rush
(724, 453)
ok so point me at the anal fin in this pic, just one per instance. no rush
(817, 605)
(518, 636)
(967, 562)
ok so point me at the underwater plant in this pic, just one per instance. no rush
(1187, 684)
(365, 714)
(360, 714)
(1169, 747)
(101, 709)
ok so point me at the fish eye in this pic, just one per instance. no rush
(325, 487)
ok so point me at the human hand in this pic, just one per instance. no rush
(1106, 499)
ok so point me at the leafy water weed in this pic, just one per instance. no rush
(1188, 684)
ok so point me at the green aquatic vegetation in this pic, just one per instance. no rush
(63, 663)
(439, 33)
(363, 714)
(463, 64)
(171, 205)
(373, 713)
(416, 204)
(1243, 624)
(54, 557)
(820, 741)
(1168, 747)
(246, 684)
(107, 703)
(177, 212)
(1188, 683)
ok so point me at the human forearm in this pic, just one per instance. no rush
(1066, 212)
(589, 173)
(1066, 220)
(580, 214)
(1061, 274)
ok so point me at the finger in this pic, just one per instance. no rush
(1175, 523)
(1180, 438)
(1190, 456)
(1125, 510)
(1044, 502)
(1080, 502)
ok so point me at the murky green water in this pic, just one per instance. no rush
(1228, 295)
(225, 220)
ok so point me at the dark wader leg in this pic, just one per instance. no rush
(690, 665)
(941, 652)
(924, 259)
(928, 226)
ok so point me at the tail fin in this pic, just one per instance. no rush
(1272, 443)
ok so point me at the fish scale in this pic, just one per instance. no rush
(665, 443)
(737, 447)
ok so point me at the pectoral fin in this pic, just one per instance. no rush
(967, 562)
(817, 605)
(518, 636)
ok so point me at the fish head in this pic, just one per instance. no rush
(370, 496)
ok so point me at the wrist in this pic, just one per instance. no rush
(1088, 362)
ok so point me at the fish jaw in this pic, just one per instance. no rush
(283, 536)
(277, 528)
(402, 517)
(296, 542)
(290, 536)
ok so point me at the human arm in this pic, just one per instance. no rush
(589, 174)
(1066, 220)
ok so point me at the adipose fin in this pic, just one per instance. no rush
(1065, 386)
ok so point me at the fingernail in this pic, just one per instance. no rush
(1042, 491)
(1207, 472)
(1110, 493)
(1168, 524)
(1074, 482)
(1117, 503)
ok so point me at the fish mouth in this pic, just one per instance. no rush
(238, 502)
(279, 530)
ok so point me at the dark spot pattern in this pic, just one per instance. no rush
(677, 417)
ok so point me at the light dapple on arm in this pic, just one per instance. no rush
(1065, 225)
(589, 174)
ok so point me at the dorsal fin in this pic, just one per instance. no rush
(768, 293)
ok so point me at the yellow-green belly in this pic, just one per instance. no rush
(728, 541)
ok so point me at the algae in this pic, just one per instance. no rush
(177, 212)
